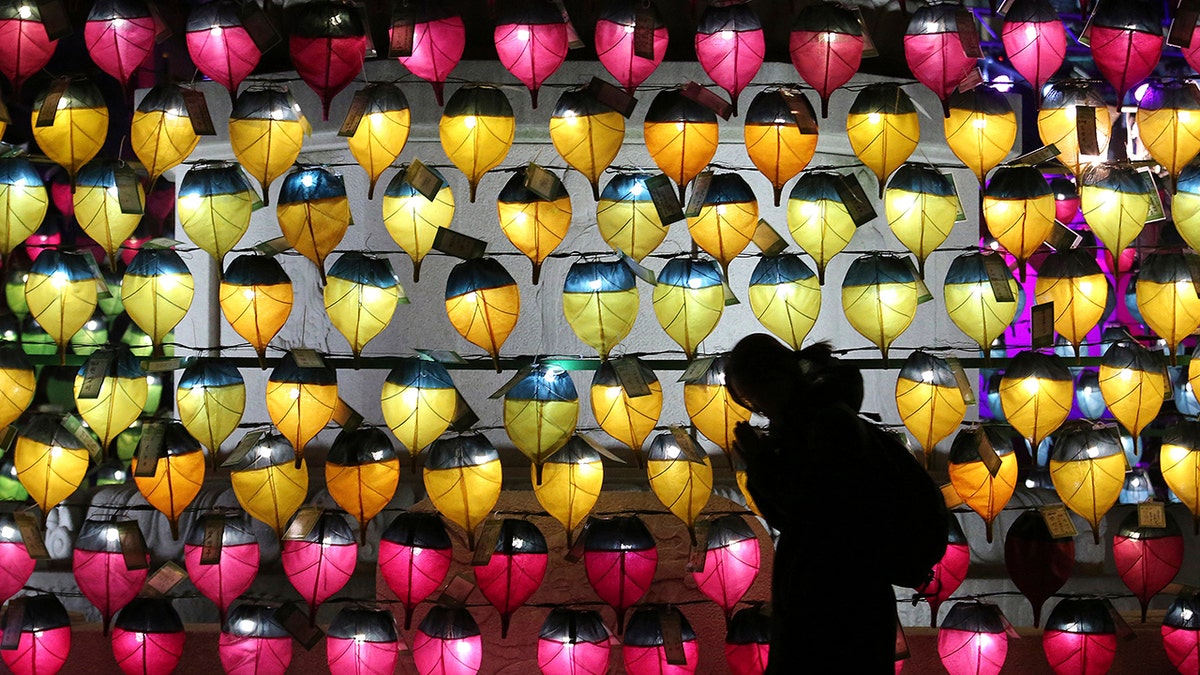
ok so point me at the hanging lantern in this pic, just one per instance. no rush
(600, 302)
(587, 134)
(1061, 107)
(883, 128)
(414, 556)
(419, 401)
(644, 645)
(948, 573)
(157, 292)
(688, 301)
(624, 53)
(775, 141)
(438, 40)
(921, 206)
(256, 299)
(1179, 460)
(1126, 43)
(1115, 204)
(476, 130)
(514, 570)
(45, 640)
(148, 637)
(1147, 558)
(785, 297)
(99, 209)
(462, 478)
(1074, 282)
(266, 130)
(1018, 208)
(178, 474)
(25, 47)
(826, 46)
(973, 639)
(1035, 394)
(531, 42)
(730, 46)
(1087, 467)
(731, 563)
(23, 200)
(985, 492)
(1181, 632)
(570, 486)
(448, 643)
(122, 396)
(535, 225)
(681, 480)
(748, 641)
(18, 382)
(483, 303)
(361, 294)
(327, 43)
(929, 400)
(1038, 564)
(934, 49)
(681, 136)
(620, 558)
(627, 217)
(15, 564)
(220, 46)
(77, 130)
(972, 304)
(361, 474)
(1035, 40)
(252, 642)
(319, 564)
(313, 212)
(981, 129)
(727, 219)
(214, 207)
(818, 219)
(120, 34)
(573, 642)
(412, 220)
(50, 461)
(879, 298)
(540, 413)
(100, 566)
(161, 130)
(1080, 636)
(236, 562)
(382, 130)
(211, 398)
(1133, 383)
(629, 418)
(1167, 298)
(301, 400)
(362, 640)
(269, 483)
(1167, 118)
(711, 408)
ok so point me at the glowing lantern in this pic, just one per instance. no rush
(531, 42)
(23, 202)
(120, 35)
(620, 558)
(462, 477)
(121, 398)
(161, 131)
(540, 413)
(25, 48)
(879, 298)
(1057, 126)
(1080, 636)
(178, 474)
(948, 573)
(730, 46)
(711, 408)
(921, 206)
(883, 128)
(50, 462)
(1115, 204)
(776, 143)
(157, 291)
(727, 219)
(1179, 459)
(1035, 394)
(267, 129)
(18, 381)
(15, 564)
(934, 49)
(448, 643)
(362, 640)
(689, 300)
(483, 303)
(973, 639)
(1038, 563)
(573, 642)
(319, 564)
(600, 301)
(268, 482)
(587, 134)
(237, 560)
(644, 644)
(1133, 383)
(382, 131)
(313, 212)
(414, 556)
(680, 479)
(438, 40)
(930, 403)
(412, 220)
(534, 224)
(681, 136)
(748, 641)
(99, 209)
(1167, 119)
(1087, 467)
(627, 218)
(617, 42)
(985, 492)
(1018, 208)
(253, 642)
(419, 402)
(514, 570)
(361, 474)
(327, 43)
(45, 640)
(361, 294)
(570, 486)
(220, 46)
(1074, 282)
(101, 569)
(211, 397)
(1147, 558)
(1126, 43)
(1167, 298)
(785, 297)
(826, 46)
(78, 129)
(1035, 40)
(476, 131)
(301, 400)
(731, 563)
(148, 637)
(971, 302)
(628, 418)
(214, 207)
(1181, 632)
(256, 299)
(980, 129)
(818, 219)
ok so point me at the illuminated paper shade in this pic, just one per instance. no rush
(616, 42)
(462, 476)
(730, 46)
(826, 47)
(327, 43)
(531, 41)
(883, 128)
(984, 492)
(439, 38)
(515, 569)
(148, 637)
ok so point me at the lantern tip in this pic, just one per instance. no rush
(408, 614)
(987, 530)
(505, 619)
(533, 97)
(778, 191)
(824, 106)
(416, 271)
(537, 469)
(537, 273)
(596, 191)
(439, 93)
(371, 188)
(174, 522)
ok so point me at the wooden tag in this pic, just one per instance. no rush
(1004, 7)
(968, 33)
(404, 25)
(1058, 521)
(708, 99)
(260, 27)
(1035, 157)
(307, 358)
(441, 355)
(346, 417)
(700, 185)
(95, 370)
(727, 293)
(165, 578)
(162, 365)
(214, 538)
(923, 294)
(242, 449)
(540, 181)
(869, 50)
(30, 526)
(599, 447)
(273, 246)
(14, 621)
(767, 239)
(133, 547)
(687, 444)
(198, 113)
(456, 592)
(1063, 238)
(643, 32)
(7, 438)
(423, 180)
(960, 377)
(640, 271)
(573, 40)
(73, 424)
(629, 374)
(950, 496)
(458, 244)
(698, 556)
(1042, 320)
(801, 111)
(127, 191)
(696, 369)
(672, 634)
(1152, 514)
(973, 79)
(149, 449)
(49, 107)
(354, 114)
(1000, 277)
(304, 631)
(854, 198)
(303, 523)
(54, 18)
(1085, 35)
(1085, 130)
(102, 289)
(521, 374)
(666, 202)
(987, 453)
(464, 416)
(485, 544)
(1183, 24)
(612, 96)
(1157, 214)
(575, 554)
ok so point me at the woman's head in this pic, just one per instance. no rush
(771, 379)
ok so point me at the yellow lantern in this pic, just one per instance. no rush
(361, 474)
(18, 382)
(681, 479)
(462, 476)
(879, 298)
(1167, 298)
(984, 491)
(120, 400)
(930, 403)
(214, 207)
(627, 217)
(1179, 459)
(23, 202)
(157, 291)
(1063, 104)
(627, 416)
(587, 134)
(981, 129)
(412, 220)
(256, 299)
(267, 129)
(1115, 204)
(60, 290)
(477, 129)
(1168, 123)
(1185, 205)
(1087, 467)
(50, 462)
(211, 397)
(600, 302)
(712, 409)
(972, 303)
(740, 478)
(536, 225)
(540, 413)
(570, 485)
(1018, 208)
(78, 128)
(161, 130)
(483, 304)
(681, 136)
(419, 402)
(301, 400)
(1133, 383)
(688, 301)
(883, 128)
(361, 295)
(785, 297)
(382, 131)
(1036, 393)
(727, 219)
(178, 474)
(101, 211)
(779, 147)
(268, 483)
(313, 212)
(1074, 282)
(921, 206)
(818, 218)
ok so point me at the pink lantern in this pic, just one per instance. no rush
(228, 574)
(644, 647)
(328, 45)
(1181, 633)
(730, 47)
(101, 567)
(730, 562)
(515, 569)
(620, 558)
(45, 637)
(973, 639)
(934, 50)
(361, 641)
(414, 556)
(447, 643)
(573, 642)
(148, 637)
(1126, 41)
(321, 563)
(826, 45)
(120, 36)
(748, 642)
(531, 41)
(220, 46)
(252, 642)
(1035, 41)
(618, 38)
(438, 40)
(949, 573)
(15, 564)
(1147, 558)
(1080, 637)
(1038, 564)
(25, 48)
